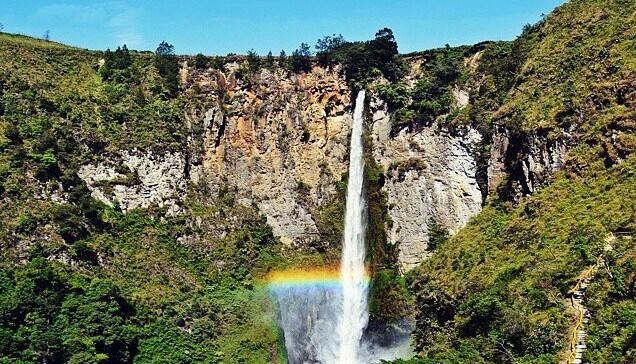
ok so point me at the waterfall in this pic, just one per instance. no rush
(322, 311)
(354, 315)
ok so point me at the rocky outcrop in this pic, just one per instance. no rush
(431, 176)
(138, 179)
(280, 142)
(524, 162)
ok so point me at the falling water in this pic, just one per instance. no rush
(352, 271)
(322, 312)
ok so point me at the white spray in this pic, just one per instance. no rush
(352, 271)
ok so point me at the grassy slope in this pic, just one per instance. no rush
(173, 302)
(497, 291)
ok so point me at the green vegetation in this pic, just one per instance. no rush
(612, 299)
(167, 66)
(300, 60)
(52, 315)
(200, 61)
(430, 98)
(82, 282)
(151, 298)
(253, 61)
(437, 235)
(363, 61)
(498, 291)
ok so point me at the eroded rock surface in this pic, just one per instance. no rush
(279, 141)
(525, 160)
(431, 176)
(138, 179)
(281, 144)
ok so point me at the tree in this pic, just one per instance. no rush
(165, 49)
(329, 42)
(253, 61)
(300, 59)
(384, 51)
(52, 316)
(326, 47)
(269, 60)
(384, 46)
(116, 64)
(282, 59)
(200, 61)
(385, 40)
(167, 66)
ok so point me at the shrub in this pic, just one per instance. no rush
(300, 59)
(26, 223)
(200, 61)
(396, 95)
(437, 235)
(325, 48)
(52, 316)
(363, 61)
(116, 65)
(269, 61)
(253, 61)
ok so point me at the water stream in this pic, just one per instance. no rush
(354, 316)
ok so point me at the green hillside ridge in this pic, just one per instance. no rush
(82, 282)
(129, 290)
(498, 291)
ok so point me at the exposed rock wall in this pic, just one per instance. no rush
(431, 176)
(525, 160)
(138, 179)
(280, 141)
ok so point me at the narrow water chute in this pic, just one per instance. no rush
(354, 314)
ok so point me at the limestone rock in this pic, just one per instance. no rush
(528, 160)
(460, 97)
(431, 176)
(138, 180)
(281, 144)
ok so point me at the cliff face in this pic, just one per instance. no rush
(525, 160)
(280, 142)
(431, 177)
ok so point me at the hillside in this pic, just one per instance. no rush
(147, 196)
(498, 291)
(83, 282)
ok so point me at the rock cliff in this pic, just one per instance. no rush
(279, 141)
(431, 176)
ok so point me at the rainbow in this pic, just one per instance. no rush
(327, 278)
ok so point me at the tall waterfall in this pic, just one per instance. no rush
(322, 311)
(352, 271)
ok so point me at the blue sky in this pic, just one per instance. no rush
(220, 27)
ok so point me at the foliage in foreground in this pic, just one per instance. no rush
(498, 290)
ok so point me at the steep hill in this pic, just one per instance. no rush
(499, 290)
